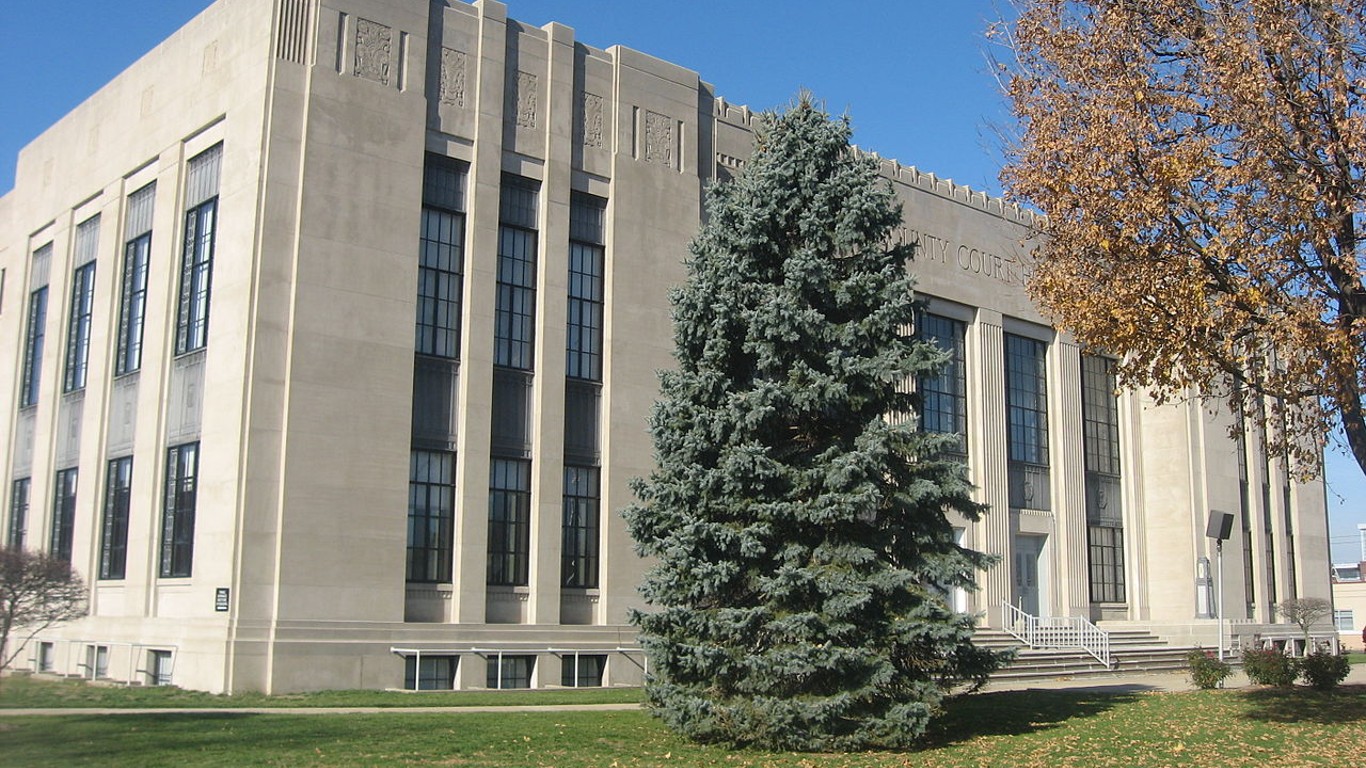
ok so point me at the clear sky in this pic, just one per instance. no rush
(911, 74)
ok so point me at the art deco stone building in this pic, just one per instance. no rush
(334, 326)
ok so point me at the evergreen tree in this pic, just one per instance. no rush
(802, 556)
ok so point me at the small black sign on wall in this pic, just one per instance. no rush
(220, 599)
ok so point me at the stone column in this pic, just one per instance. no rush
(547, 490)
(1069, 479)
(476, 374)
(987, 455)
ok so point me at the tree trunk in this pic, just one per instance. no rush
(1354, 427)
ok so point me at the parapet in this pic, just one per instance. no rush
(743, 117)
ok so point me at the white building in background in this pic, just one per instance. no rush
(1349, 599)
(334, 327)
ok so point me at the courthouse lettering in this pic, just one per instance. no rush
(969, 258)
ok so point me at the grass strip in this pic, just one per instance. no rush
(40, 693)
(1023, 729)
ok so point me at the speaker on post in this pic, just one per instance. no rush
(1220, 525)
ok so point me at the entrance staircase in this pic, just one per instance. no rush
(1131, 651)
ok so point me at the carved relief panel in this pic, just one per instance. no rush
(588, 126)
(453, 74)
(524, 100)
(660, 143)
(374, 42)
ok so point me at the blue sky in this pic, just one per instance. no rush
(912, 75)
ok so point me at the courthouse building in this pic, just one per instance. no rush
(333, 329)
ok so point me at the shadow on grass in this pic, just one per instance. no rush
(1011, 713)
(1346, 704)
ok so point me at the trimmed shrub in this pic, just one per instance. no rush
(1271, 667)
(1324, 670)
(1206, 670)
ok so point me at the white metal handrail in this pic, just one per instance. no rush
(1056, 632)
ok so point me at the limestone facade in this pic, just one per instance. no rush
(378, 297)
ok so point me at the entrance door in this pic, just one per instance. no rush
(1028, 553)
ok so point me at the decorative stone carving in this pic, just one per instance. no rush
(588, 129)
(209, 61)
(524, 106)
(659, 139)
(373, 44)
(453, 69)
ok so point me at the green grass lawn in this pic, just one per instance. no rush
(1019, 729)
(23, 691)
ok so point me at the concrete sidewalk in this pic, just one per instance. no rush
(69, 711)
(1131, 683)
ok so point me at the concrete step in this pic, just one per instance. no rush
(1130, 651)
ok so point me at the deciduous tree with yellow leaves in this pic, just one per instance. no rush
(1202, 165)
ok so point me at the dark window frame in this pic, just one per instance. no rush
(159, 666)
(441, 260)
(19, 503)
(509, 531)
(34, 339)
(434, 672)
(1027, 400)
(583, 670)
(1105, 555)
(431, 516)
(579, 553)
(1100, 415)
(514, 314)
(510, 671)
(118, 486)
(79, 323)
(132, 303)
(63, 513)
(586, 305)
(944, 397)
(179, 502)
(196, 277)
(1101, 460)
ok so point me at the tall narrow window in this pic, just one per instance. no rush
(1027, 422)
(583, 370)
(137, 248)
(1293, 588)
(178, 508)
(515, 303)
(1104, 512)
(1245, 516)
(196, 256)
(509, 541)
(583, 344)
(441, 262)
(118, 483)
(944, 397)
(33, 348)
(78, 327)
(18, 513)
(431, 515)
(579, 554)
(1272, 595)
(63, 514)
(509, 522)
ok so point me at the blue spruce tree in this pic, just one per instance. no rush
(801, 552)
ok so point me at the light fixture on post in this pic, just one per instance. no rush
(1219, 528)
